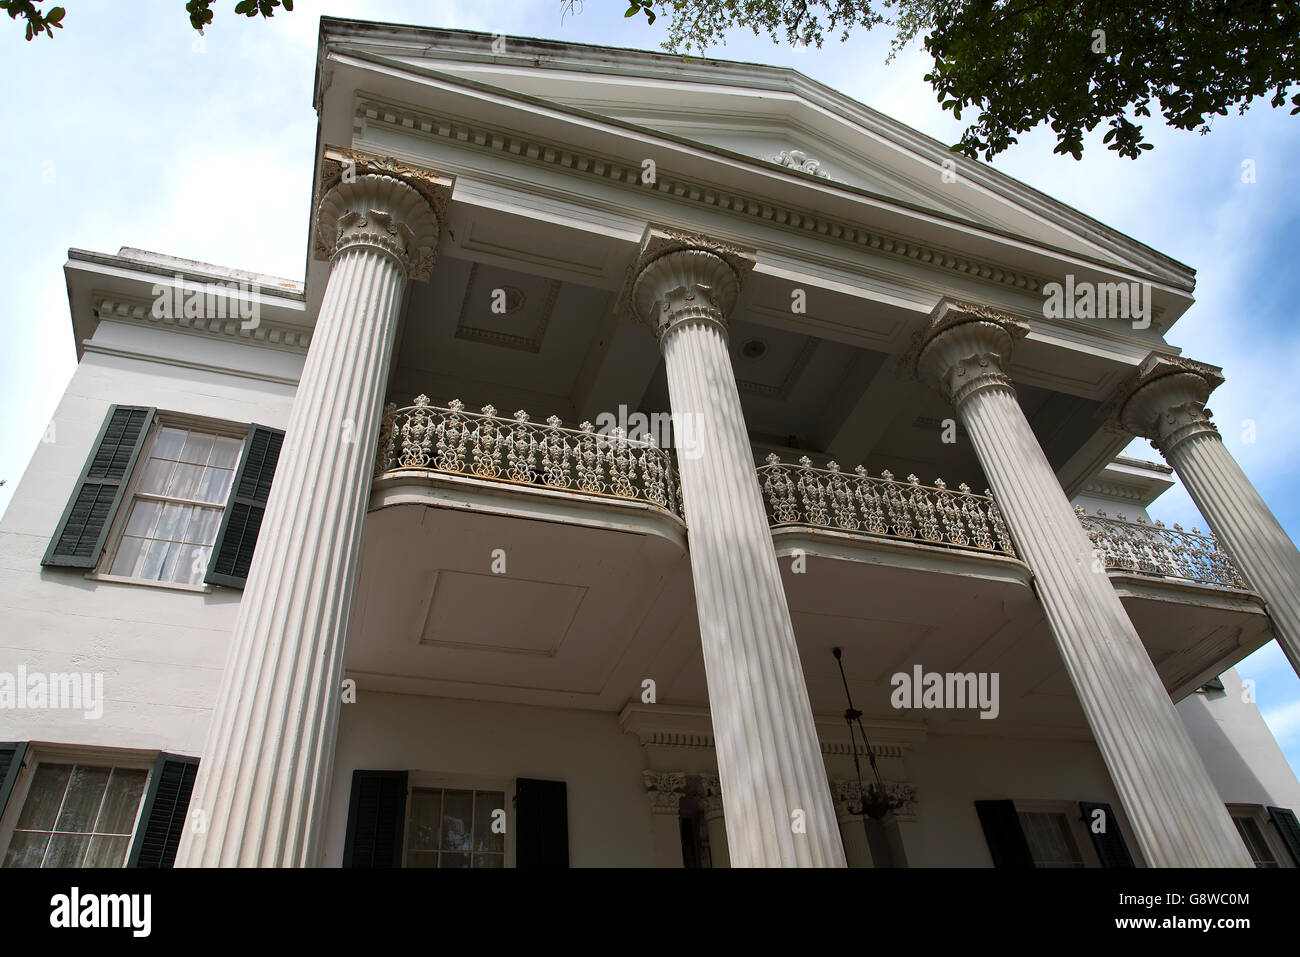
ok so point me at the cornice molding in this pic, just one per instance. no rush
(467, 133)
(269, 334)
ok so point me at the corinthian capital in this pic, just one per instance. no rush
(665, 790)
(683, 277)
(1165, 401)
(964, 349)
(367, 200)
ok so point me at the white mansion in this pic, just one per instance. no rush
(291, 581)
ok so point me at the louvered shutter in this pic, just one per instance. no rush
(11, 762)
(162, 820)
(233, 552)
(1109, 843)
(541, 824)
(79, 539)
(376, 819)
(1289, 829)
(1002, 831)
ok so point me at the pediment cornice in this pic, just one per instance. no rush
(371, 110)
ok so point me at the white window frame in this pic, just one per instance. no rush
(39, 753)
(1074, 822)
(162, 420)
(1259, 814)
(416, 780)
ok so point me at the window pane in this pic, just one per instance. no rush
(156, 474)
(44, 797)
(426, 809)
(107, 852)
(185, 481)
(128, 553)
(26, 849)
(197, 448)
(1049, 839)
(85, 791)
(421, 858)
(215, 485)
(151, 565)
(489, 860)
(121, 801)
(1254, 840)
(66, 850)
(191, 564)
(168, 443)
(453, 860)
(203, 526)
(457, 811)
(225, 454)
(172, 522)
(486, 806)
(144, 516)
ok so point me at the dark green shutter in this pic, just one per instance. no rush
(163, 819)
(1110, 845)
(11, 762)
(1283, 819)
(233, 552)
(541, 824)
(79, 539)
(1002, 831)
(376, 819)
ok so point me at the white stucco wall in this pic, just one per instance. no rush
(161, 651)
(609, 815)
(1239, 751)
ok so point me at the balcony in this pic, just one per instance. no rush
(593, 589)
(425, 442)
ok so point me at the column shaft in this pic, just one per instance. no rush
(1246, 528)
(1177, 815)
(264, 779)
(774, 787)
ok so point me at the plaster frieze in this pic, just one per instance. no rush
(1165, 401)
(964, 349)
(364, 199)
(800, 161)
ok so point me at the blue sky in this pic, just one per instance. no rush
(131, 130)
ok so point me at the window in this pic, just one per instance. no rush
(455, 827)
(1051, 842)
(77, 815)
(1252, 835)
(179, 491)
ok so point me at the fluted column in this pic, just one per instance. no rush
(1167, 405)
(715, 820)
(264, 779)
(774, 788)
(664, 790)
(1177, 814)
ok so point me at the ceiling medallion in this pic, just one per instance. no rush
(754, 349)
(507, 300)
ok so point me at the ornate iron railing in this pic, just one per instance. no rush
(485, 445)
(857, 502)
(1152, 549)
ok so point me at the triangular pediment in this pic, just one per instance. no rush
(744, 112)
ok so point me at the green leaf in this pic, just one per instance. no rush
(632, 10)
